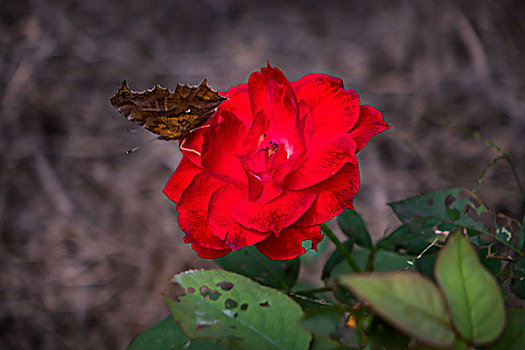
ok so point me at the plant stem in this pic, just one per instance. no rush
(508, 245)
(315, 290)
(482, 175)
(342, 249)
(370, 262)
(489, 143)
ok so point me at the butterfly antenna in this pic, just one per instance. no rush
(145, 143)
(200, 127)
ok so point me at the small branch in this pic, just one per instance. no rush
(317, 301)
(482, 175)
(505, 243)
(315, 290)
(342, 249)
(487, 142)
(370, 261)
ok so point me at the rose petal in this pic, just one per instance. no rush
(289, 243)
(193, 212)
(220, 145)
(265, 172)
(191, 146)
(238, 103)
(273, 187)
(307, 122)
(369, 124)
(335, 194)
(269, 191)
(334, 110)
(285, 122)
(206, 253)
(253, 137)
(222, 224)
(322, 161)
(258, 87)
(181, 179)
(272, 94)
(275, 215)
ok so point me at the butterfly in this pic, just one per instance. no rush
(171, 115)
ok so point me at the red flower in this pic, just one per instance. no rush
(275, 161)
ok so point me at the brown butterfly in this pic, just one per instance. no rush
(171, 115)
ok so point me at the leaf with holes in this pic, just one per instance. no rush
(410, 302)
(281, 274)
(472, 294)
(438, 210)
(236, 312)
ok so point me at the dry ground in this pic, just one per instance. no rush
(87, 239)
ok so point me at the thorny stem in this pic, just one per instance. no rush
(315, 290)
(313, 300)
(482, 175)
(487, 142)
(342, 249)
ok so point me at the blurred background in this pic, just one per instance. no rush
(87, 239)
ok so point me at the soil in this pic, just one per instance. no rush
(87, 239)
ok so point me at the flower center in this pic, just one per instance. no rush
(271, 144)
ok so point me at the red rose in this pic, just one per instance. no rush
(275, 161)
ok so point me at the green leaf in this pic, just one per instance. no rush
(521, 235)
(444, 209)
(518, 287)
(520, 263)
(308, 301)
(404, 240)
(513, 336)
(237, 312)
(383, 261)
(386, 337)
(322, 320)
(335, 259)
(343, 295)
(472, 294)
(388, 261)
(354, 227)
(458, 345)
(425, 264)
(409, 301)
(249, 262)
(167, 335)
(491, 264)
(445, 205)
(323, 342)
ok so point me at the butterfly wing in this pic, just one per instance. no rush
(171, 115)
